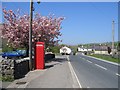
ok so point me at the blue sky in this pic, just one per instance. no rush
(86, 22)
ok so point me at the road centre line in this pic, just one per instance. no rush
(73, 72)
(82, 58)
(117, 74)
(101, 66)
(96, 64)
(89, 61)
(88, 87)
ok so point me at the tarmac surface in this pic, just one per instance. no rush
(95, 73)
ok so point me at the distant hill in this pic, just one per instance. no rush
(104, 43)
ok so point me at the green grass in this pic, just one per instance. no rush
(6, 78)
(0, 51)
(105, 57)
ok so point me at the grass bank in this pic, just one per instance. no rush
(106, 57)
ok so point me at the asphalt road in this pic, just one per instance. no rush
(93, 73)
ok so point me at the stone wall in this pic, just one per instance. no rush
(7, 67)
(15, 68)
(18, 68)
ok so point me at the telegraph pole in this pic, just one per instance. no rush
(30, 34)
(113, 24)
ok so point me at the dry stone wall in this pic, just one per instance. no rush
(15, 68)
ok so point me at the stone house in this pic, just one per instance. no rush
(100, 49)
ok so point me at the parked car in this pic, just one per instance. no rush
(14, 54)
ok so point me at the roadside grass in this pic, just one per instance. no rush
(6, 78)
(0, 51)
(106, 57)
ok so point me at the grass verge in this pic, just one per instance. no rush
(106, 57)
(6, 78)
(0, 51)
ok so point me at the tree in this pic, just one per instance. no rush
(54, 49)
(16, 29)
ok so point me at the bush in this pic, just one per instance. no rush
(54, 49)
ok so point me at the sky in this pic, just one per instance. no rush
(86, 22)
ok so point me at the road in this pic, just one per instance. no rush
(94, 73)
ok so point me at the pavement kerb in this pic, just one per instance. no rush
(104, 60)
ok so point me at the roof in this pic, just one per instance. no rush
(101, 48)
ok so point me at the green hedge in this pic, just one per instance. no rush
(54, 49)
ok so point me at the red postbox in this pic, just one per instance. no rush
(39, 55)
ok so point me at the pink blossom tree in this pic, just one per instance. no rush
(44, 28)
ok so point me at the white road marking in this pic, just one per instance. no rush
(117, 74)
(89, 61)
(101, 66)
(88, 87)
(73, 72)
(83, 58)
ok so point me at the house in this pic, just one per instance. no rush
(81, 49)
(65, 50)
(101, 49)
